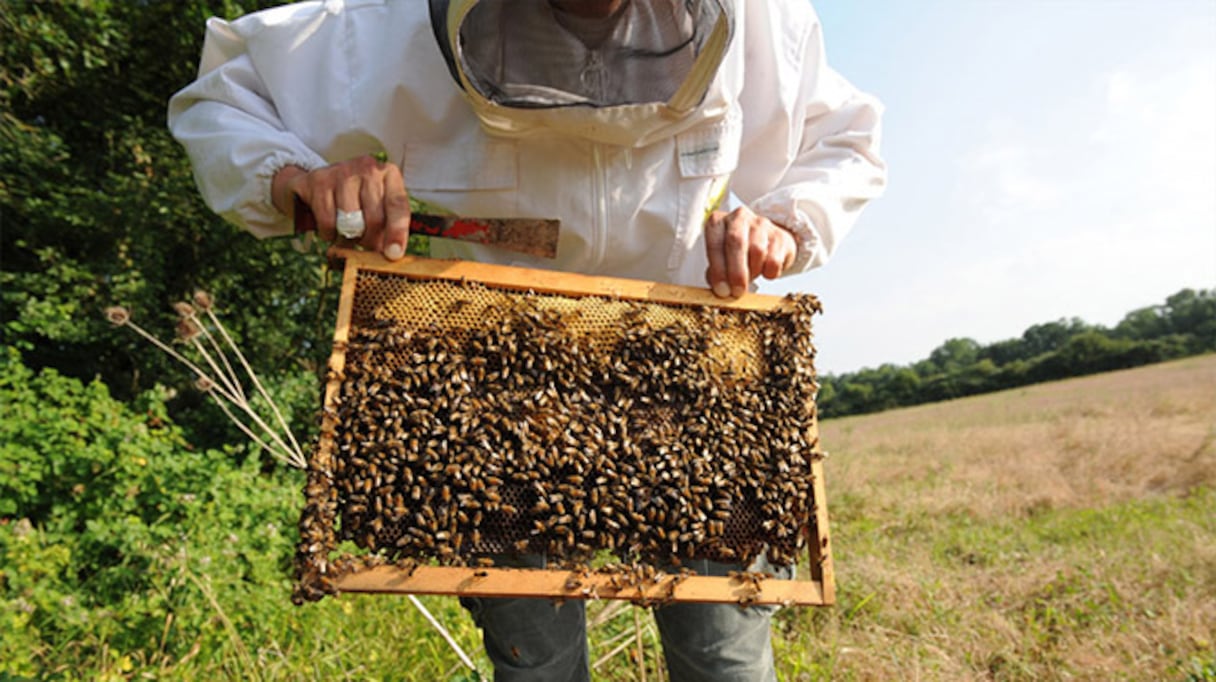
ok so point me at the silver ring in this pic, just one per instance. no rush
(350, 224)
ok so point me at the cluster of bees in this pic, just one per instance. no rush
(525, 434)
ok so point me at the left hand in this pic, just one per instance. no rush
(742, 246)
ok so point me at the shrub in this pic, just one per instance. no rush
(115, 534)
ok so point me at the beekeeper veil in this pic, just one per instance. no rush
(643, 72)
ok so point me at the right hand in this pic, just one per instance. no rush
(360, 184)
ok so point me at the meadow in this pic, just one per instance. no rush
(1057, 531)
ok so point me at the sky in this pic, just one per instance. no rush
(1047, 159)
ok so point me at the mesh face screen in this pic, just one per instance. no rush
(473, 421)
(529, 54)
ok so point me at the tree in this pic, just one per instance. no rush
(1005, 352)
(1141, 324)
(99, 205)
(955, 354)
(1193, 313)
(1045, 338)
(902, 385)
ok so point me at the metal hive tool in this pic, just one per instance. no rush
(476, 413)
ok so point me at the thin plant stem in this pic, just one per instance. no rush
(179, 357)
(234, 636)
(445, 634)
(224, 358)
(637, 630)
(288, 458)
(296, 455)
(618, 649)
(164, 637)
(229, 373)
(656, 641)
(257, 384)
(226, 381)
(614, 609)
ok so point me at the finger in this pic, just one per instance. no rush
(346, 198)
(288, 186)
(774, 260)
(735, 252)
(371, 202)
(781, 252)
(321, 200)
(347, 191)
(396, 214)
(715, 274)
(758, 245)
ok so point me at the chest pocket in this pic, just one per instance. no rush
(706, 156)
(466, 177)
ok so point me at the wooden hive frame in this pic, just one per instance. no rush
(556, 583)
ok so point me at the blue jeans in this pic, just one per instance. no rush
(536, 640)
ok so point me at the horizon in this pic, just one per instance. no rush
(1018, 336)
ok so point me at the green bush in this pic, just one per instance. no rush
(100, 208)
(116, 534)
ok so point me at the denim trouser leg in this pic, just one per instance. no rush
(533, 639)
(719, 642)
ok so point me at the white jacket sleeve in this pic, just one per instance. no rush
(810, 149)
(233, 134)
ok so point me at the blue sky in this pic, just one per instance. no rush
(1048, 159)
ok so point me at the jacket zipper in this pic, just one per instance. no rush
(599, 196)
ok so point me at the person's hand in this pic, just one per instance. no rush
(742, 246)
(363, 184)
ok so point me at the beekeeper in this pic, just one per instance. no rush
(696, 142)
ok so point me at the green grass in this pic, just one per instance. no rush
(1088, 593)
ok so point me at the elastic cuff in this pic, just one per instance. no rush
(258, 212)
(800, 225)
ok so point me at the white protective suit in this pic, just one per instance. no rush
(754, 107)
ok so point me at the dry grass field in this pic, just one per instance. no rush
(1059, 531)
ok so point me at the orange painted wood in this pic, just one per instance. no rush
(568, 584)
(337, 362)
(819, 544)
(551, 281)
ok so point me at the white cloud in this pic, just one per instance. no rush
(1119, 88)
(1160, 126)
(1128, 162)
(1004, 173)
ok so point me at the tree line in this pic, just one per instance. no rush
(1185, 324)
